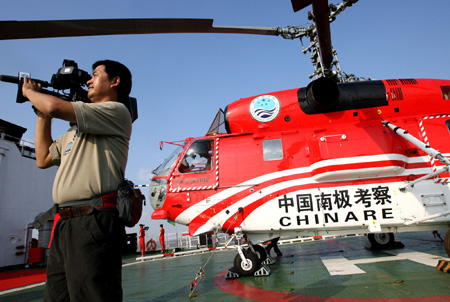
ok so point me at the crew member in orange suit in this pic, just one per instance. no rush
(142, 240)
(161, 239)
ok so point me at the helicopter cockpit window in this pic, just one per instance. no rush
(445, 92)
(272, 149)
(198, 157)
(167, 166)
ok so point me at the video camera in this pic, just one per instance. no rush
(69, 76)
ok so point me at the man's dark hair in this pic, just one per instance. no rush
(114, 69)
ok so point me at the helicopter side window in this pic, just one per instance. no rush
(445, 92)
(198, 157)
(272, 149)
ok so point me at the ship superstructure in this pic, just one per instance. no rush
(25, 192)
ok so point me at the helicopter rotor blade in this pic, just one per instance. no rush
(322, 19)
(321, 15)
(267, 31)
(93, 27)
(300, 4)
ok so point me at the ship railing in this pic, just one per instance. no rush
(182, 240)
(26, 148)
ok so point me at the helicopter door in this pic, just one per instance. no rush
(195, 170)
(435, 132)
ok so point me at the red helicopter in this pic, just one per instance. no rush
(343, 155)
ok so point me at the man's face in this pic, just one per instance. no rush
(99, 86)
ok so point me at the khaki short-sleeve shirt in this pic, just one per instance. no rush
(92, 155)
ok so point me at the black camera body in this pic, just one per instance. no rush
(69, 76)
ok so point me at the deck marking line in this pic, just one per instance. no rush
(339, 265)
(423, 258)
(238, 289)
(17, 289)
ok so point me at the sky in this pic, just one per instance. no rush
(181, 80)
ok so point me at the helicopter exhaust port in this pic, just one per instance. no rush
(325, 95)
(322, 94)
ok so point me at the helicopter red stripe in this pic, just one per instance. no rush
(214, 209)
(237, 218)
(202, 218)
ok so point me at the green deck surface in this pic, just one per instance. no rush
(299, 275)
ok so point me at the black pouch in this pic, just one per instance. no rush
(129, 203)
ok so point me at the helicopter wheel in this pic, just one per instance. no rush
(381, 239)
(261, 252)
(447, 242)
(247, 269)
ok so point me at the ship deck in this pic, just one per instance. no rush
(330, 269)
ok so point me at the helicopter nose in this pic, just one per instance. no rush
(160, 214)
(158, 193)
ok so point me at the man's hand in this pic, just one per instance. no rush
(29, 85)
(49, 105)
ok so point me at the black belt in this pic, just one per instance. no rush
(69, 212)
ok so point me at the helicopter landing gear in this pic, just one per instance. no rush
(261, 252)
(264, 258)
(249, 265)
(382, 241)
(447, 242)
(248, 261)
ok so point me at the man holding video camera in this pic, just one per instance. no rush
(85, 262)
